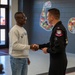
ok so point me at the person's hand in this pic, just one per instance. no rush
(34, 47)
(28, 61)
(44, 50)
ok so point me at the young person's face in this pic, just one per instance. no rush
(21, 19)
(49, 17)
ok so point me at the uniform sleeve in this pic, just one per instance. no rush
(13, 38)
(59, 42)
(44, 45)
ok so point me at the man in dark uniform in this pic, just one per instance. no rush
(56, 46)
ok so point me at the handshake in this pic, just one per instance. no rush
(34, 47)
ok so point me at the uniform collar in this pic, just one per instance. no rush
(58, 23)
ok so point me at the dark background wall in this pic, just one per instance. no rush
(33, 8)
(26, 6)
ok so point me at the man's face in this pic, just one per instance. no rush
(21, 19)
(49, 18)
